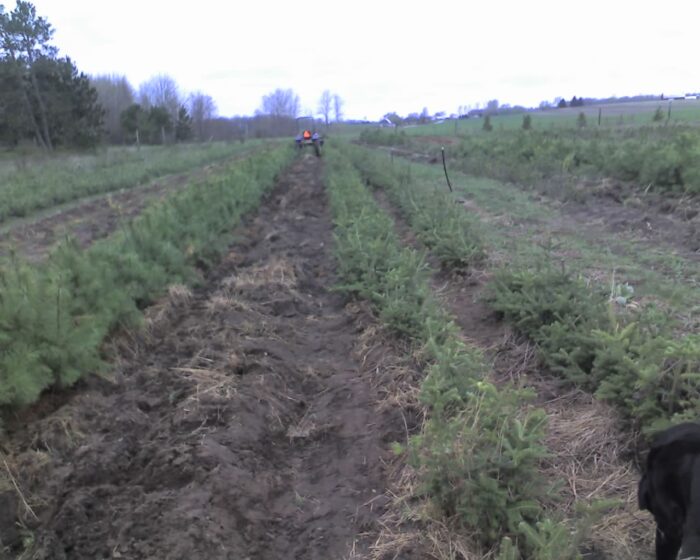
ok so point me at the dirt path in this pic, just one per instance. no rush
(240, 427)
(95, 217)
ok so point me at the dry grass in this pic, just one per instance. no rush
(589, 452)
(179, 296)
(411, 528)
(275, 271)
(10, 480)
(219, 303)
(397, 379)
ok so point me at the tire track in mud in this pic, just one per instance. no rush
(240, 426)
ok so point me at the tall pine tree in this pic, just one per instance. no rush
(44, 98)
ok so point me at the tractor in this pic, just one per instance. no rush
(307, 135)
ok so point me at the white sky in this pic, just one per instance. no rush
(386, 55)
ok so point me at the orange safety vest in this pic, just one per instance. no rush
(307, 134)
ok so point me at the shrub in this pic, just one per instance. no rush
(377, 136)
(664, 159)
(556, 310)
(446, 228)
(481, 463)
(658, 115)
(54, 317)
(651, 375)
(61, 180)
(631, 359)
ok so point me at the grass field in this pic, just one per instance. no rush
(685, 111)
(521, 227)
(343, 350)
(33, 182)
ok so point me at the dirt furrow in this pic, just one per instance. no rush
(241, 426)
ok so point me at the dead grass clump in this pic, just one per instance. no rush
(589, 452)
(276, 271)
(9, 482)
(60, 431)
(179, 296)
(305, 428)
(219, 303)
(207, 385)
(396, 379)
(412, 529)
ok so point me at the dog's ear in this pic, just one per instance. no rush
(644, 494)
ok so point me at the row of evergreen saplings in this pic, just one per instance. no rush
(479, 453)
(54, 316)
(663, 159)
(631, 357)
(451, 234)
(65, 179)
(595, 339)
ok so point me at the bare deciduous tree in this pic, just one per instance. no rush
(325, 104)
(202, 110)
(115, 94)
(281, 103)
(338, 107)
(161, 91)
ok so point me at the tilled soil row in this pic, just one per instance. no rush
(240, 426)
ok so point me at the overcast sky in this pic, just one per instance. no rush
(386, 55)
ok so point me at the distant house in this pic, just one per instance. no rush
(386, 123)
(475, 113)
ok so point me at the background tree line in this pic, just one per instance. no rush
(43, 97)
(47, 101)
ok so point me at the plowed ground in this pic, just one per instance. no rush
(242, 423)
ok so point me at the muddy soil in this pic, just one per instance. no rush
(242, 425)
(93, 218)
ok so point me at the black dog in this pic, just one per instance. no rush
(670, 490)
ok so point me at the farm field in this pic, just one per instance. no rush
(340, 359)
(312, 303)
(92, 217)
(655, 251)
(686, 111)
(242, 422)
(34, 182)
